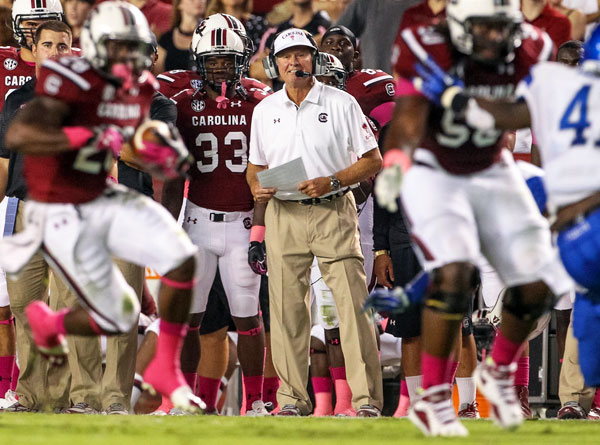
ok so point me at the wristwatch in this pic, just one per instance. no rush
(334, 183)
(377, 253)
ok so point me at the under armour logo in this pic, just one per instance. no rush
(392, 322)
(276, 121)
(235, 103)
(191, 220)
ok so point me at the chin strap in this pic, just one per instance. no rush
(222, 100)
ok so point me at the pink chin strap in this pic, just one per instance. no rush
(252, 332)
(184, 285)
(123, 72)
(11, 320)
(222, 100)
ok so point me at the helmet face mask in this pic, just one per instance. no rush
(486, 30)
(335, 75)
(117, 33)
(494, 39)
(27, 15)
(224, 21)
(220, 56)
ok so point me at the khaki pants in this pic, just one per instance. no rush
(295, 234)
(89, 384)
(571, 387)
(40, 386)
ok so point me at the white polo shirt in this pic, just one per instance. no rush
(328, 131)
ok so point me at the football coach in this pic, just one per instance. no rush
(326, 128)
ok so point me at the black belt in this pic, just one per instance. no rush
(317, 201)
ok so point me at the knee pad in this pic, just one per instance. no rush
(452, 305)
(579, 247)
(586, 328)
(515, 304)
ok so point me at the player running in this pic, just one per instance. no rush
(464, 196)
(70, 135)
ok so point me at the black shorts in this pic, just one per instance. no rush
(408, 324)
(406, 267)
(218, 316)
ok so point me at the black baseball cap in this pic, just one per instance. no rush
(339, 29)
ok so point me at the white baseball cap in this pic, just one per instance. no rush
(293, 37)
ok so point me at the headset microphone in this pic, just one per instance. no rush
(303, 74)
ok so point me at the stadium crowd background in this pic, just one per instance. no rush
(376, 25)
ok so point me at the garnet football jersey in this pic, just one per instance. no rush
(218, 138)
(459, 148)
(370, 88)
(80, 175)
(15, 71)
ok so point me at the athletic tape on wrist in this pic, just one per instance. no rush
(257, 233)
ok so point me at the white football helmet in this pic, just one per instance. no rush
(462, 13)
(115, 20)
(225, 21)
(335, 69)
(23, 10)
(219, 42)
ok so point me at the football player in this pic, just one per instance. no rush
(172, 82)
(17, 66)
(464, 196)
(373, 89)
(557, 101)
(70, 134)
(215, 123)
(18, 63)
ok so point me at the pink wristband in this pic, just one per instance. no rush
(395, 156)
(257, 233)
(77, 136)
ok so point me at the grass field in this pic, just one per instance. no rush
(50, 429)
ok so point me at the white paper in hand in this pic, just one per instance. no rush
(285, 178)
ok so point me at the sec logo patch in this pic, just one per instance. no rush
(196, 83)
(10, 64)
(198, 105)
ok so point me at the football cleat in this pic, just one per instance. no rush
(594, 413)
(469, 411)
(169, 382)
(433, 413)
(496, 383)
(258, 409)
(523, 395)
(571, 410)
(80, 408)
(51, 345)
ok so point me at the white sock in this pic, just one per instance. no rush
(412, 383)
(466, 390)
(136, 391)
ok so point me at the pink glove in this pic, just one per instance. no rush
(110, 139)
(161, 157)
